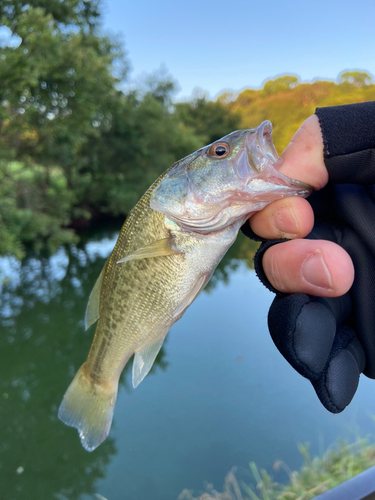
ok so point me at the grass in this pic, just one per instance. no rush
(316, 476)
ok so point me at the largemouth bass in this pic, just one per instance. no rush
(167, 250)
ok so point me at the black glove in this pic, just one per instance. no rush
(331, 341)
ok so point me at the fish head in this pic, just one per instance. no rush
(225, 182)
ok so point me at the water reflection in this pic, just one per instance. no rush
(43, 343)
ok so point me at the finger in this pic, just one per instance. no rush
(363, 294)
(315, 267)
(339, 380)
(303, 158)
(287, 218)
(303, 332)
(303, 328)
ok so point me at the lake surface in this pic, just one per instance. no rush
(220, 395)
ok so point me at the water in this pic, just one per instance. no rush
(220, 394)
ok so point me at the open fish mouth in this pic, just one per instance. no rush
(260, 148)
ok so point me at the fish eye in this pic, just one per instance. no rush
(219, 150)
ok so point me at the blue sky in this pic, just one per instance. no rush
(220, 45)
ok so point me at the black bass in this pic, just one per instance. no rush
(167, 250)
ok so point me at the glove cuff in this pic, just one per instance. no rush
(347, 129)
(258, 266)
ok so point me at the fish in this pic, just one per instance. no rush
(166, 252)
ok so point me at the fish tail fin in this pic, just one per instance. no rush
(88, 407)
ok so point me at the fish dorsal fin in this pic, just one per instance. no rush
(193, 293)
(92, 309)
(144, 359)
(158, 248)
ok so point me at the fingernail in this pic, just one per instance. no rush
(285, 221)
(315, 272)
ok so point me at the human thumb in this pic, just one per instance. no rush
(303, 157)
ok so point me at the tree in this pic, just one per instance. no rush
(287, 103)
(57, 84)
(210, 120)
(281, 84)
(55, 87)
(83, 14)
(356, 78)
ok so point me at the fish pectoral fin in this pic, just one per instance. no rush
(144, 359)
(156, 249)
(193, 293)
(92, 309)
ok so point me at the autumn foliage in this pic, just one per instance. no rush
(286, 102)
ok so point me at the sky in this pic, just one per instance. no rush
(230, 45)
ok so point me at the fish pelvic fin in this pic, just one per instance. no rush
(158, 248)
(92, 309)
(144, 359)
(88, 407)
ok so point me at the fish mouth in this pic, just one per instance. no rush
(262, 156)
(265, 141)
(260, 148)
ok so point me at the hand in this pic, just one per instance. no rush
(320, 268)
(328, 340)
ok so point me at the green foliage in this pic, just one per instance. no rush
(57, 81)
(211, 120)
(316, 476)
(55, 88)
(72, 12)
(34, 207)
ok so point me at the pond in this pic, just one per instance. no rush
(220, 395)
